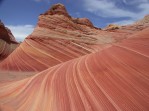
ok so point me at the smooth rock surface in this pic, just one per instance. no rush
(113, 79)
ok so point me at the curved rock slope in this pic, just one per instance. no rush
(7, 42)
(57, 38)
(113, 79)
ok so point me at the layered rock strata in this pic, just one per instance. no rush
(113, 79)
(7, 42)
(58, 38)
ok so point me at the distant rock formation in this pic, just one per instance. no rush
(5, 34)
(143, 21)
(112, 27)
(7, 42)
(83, 21)
(130, 29)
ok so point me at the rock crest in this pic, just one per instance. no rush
(5, 34)
(58, 9)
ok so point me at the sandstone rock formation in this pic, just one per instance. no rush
(113, 79)
(112, 27)
(6, 35)
(58, 38)
(7, 42)
(58, 9)
(128, 30)
(143, 21)
(81, 67)
(83, 21)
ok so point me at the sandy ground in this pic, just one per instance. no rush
(7, 76)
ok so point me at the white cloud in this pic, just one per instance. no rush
(47, 1)
(133, 2)
(20, 32)
(124, 1)
(106, 9)
(123, 22)
(78, 14)
(109, 8)
(38, 0)
(145, 8)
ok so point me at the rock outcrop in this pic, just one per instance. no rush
(6, 35)
(7, 42)
(112, 27)
(83, 21)
(58, 9)
(130, 29)
(57, 38)
(143, 21)
(80, 68)
(113, 79)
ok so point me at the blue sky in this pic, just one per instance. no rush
(21, 16)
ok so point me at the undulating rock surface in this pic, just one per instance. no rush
(82, 68)
(7, 42)
(57, 38)
(115, 78)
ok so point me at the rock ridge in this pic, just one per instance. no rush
(5, 34)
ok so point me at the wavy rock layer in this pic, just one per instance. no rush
(7, 42)
(113, 79)
(34, 55)
(58, 38)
